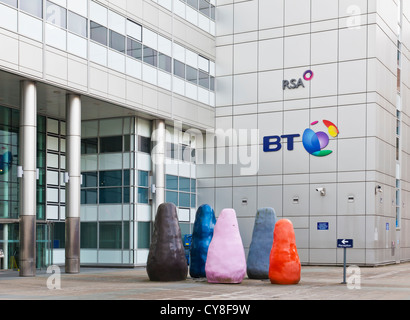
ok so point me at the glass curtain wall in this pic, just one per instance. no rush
(113, 189)
(9, 190)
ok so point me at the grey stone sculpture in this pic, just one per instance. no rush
(261, 244)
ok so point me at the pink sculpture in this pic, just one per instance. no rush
(226, 262)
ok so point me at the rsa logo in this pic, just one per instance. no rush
(294, 84)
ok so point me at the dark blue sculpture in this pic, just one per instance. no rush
(6, 160)
(261, 245)
(201, 238)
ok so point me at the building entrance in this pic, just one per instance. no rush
(10, 248)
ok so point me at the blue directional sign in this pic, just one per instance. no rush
(323, 226)
(345, 243)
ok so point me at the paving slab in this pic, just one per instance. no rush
(390, 282)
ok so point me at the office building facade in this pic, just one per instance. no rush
(110, 108)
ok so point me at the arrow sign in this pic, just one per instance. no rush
(345, 243)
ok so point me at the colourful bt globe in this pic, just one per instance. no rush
(315, 142)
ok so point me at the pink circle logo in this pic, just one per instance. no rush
(308, 75)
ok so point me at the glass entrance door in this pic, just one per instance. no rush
(10, 246)
(43, 246)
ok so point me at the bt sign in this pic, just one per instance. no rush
(313, 142)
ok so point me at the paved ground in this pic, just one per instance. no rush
(317, 283)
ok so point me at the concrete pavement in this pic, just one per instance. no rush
(390, 282)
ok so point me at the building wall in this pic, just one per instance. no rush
(351, 46)
(46, 49)
(42, 45)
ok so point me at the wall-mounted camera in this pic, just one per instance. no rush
(322, 191)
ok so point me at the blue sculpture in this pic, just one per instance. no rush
(6, 160)
(201, 238)
(261, 245)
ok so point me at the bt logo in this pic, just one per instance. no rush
(292, 84)
(6, 160)
(313, 142)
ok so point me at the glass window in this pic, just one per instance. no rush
(144, 144)
(89, 196)
(111, 144)
(77, 24)
(203, 79)
(10, 2)
(134, 49)
(204, 7)
(98, 33)
(34, 7)
(193, 185)
(111, 178)
(56, 15)
(59, 235)
(110, 195)
(89, 179)
(127, 175)
(126, 195)
(164, 62)
(88, 235)
(171, 182)
(184, 184)
(193, 200)
(150, 56)
(143, 187)
(193, 3)
(127, 143)
(117, 41)
(186, 153)
(89, 146)
(110, 235)
(143, 195)
(184, 199)
(172, 150)
(171, 196)
(191, 74)
(143, 178)
(212, 83)
(144, 235)
(179, 69)
(212, 12)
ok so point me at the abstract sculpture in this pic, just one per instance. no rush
(201, 238)
(284, 265)
(261, 244)
(226, 262)
(6, 160)
(166, 258)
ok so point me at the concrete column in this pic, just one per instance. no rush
(73, 185)
(158, 158)
(28, 192)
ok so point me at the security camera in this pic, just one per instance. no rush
(379, 188)
(322, 191)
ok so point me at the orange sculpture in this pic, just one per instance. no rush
(284, 266)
